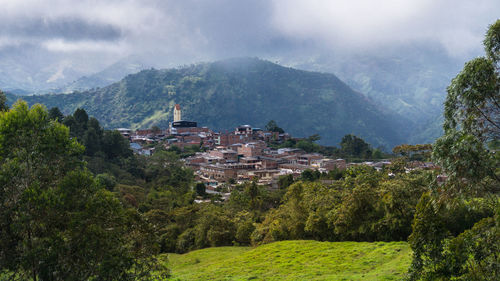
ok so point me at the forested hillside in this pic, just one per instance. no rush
(224, 94)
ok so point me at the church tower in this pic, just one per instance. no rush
(177, 113)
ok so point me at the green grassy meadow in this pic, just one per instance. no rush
(295, 260)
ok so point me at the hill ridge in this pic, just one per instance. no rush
(223, 94)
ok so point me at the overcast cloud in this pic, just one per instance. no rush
(210, 29)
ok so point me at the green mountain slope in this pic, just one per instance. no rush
(224, 94)
(295, 260)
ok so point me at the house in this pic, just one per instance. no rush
(217, 172)
(290, 151)
(263, 174)
(251, 149)
(228, 155)
(125, 132)
(243, 130)
(227, 139)
(305, 159)
(329, 164)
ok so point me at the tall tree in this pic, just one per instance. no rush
(355, 146)
(56, 114)
(472, 117)
(444, 243)
(56, 222)
(272, 126)
(3, 102)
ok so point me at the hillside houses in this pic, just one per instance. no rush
(239, 155)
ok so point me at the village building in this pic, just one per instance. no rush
(228, 155)
(240, 155)
(329, 164)
(124, 132)
(177, 113)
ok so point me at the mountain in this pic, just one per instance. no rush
(408, 80)
(27, 69)
(102, 78)
(112, 73)
(224, 94)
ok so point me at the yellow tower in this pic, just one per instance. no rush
(177, 113)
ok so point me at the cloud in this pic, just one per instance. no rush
(192, 30)
(458, 26)
(64, 27)
(61, 45)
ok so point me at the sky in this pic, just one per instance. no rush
(98, 32)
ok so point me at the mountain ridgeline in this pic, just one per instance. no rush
(224, 94)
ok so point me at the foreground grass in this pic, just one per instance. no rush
(295, 260)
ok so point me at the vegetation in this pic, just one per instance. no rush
(272, 126)
(72, 189)
(237, 91)
(364, 205)
(295, 260)
(52, 208)
(153, 202)
(352, 148)
(456, 230)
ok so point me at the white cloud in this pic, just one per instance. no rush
(364, 24)
(209, 29)
(61, 45)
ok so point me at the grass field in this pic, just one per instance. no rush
(295, 260)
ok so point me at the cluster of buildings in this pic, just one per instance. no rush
(253, 160)
(235, 156)
(239, 155)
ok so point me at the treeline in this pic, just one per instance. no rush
(359, 204)
(352, 148)
(57, 220)
(456, 229)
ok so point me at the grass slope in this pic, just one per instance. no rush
(295, 260)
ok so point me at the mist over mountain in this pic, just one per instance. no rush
(107, 76)
(408, 81)
(402, 56)
(227, 93)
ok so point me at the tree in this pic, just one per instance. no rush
(420, 152)
(35, 155)
(155, 129)
(313, 138)
(272, 126)
(56, 114)
(115, 145)
(354, 146)
(473, 255)
(81, 116)
(93, 137)
(3, 102)
(56, 222)
(472, 117)
(449, 239)
(200, 189)
(285, 181)
(214, 228)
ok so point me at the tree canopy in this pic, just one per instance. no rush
(272, 126)
(472, 117)
(456, 229)
(56, 221)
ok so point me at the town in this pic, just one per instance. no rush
(238, 156)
